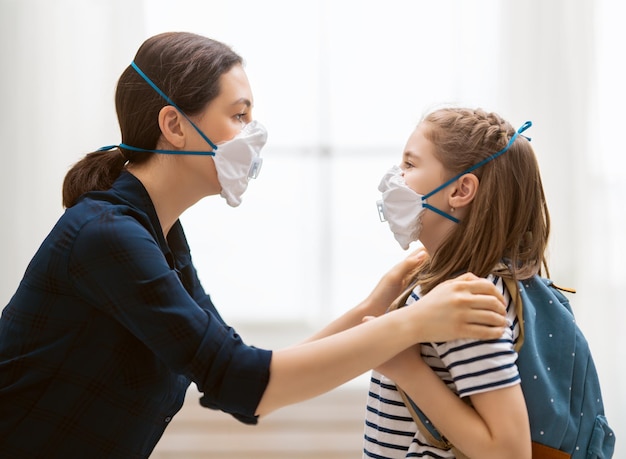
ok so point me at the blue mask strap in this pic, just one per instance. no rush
(165, 152)
(170, 102)
(440, 212)
(524, 126)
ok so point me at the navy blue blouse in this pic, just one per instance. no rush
(105, 333)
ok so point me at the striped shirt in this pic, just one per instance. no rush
(466, 366)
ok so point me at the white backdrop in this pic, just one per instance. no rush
(339, 85)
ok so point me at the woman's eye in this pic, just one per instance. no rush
(407, 165)
(241, 117)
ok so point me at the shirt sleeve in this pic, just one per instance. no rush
(117, 266)
(477, 366)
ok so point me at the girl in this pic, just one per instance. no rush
(469, 189)
(110, 323)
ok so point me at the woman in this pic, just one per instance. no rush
(110, 324)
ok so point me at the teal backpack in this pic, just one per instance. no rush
(558, 379)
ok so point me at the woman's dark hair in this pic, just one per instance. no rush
(185, 66)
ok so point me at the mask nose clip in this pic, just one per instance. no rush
(255, 168)
(381, 211)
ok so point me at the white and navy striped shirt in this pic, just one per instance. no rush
(467, 367)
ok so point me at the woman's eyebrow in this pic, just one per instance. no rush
(244, 101)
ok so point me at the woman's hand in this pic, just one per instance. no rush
(406, 364)
(386, 291)
(463, 307)
(393, 283)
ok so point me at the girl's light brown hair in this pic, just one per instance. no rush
(508, 219)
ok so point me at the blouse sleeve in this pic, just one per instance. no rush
(117, 266)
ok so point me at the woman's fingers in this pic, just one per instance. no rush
(485, 317)
(480, 293)
(464, 307)
(417, 256)
(414, 261)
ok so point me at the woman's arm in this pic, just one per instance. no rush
(463, 307)
(495, 427)
(386, 291)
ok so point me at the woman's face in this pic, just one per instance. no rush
(225, 115)
(221, 120)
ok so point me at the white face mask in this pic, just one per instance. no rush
(238, 160)
(401, 207)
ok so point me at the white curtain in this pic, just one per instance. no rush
(340, 85)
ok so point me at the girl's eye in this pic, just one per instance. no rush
(407, 165)
(241, 117)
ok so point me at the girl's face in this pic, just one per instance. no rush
(423, 172)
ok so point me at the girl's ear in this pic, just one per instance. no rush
(170, 122)
(463, 191)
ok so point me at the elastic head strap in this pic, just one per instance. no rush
(440, 212)
(156, 150)
(524, 126)
(172, 103)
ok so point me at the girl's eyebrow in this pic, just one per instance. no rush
(408, 154)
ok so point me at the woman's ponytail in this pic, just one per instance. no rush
(96, 171)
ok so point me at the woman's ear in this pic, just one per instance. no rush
(170, 122)
(463, 191)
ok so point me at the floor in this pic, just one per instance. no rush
(329, 427)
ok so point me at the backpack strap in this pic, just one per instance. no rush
(540, 451)
(428, 429)
(513, 288)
